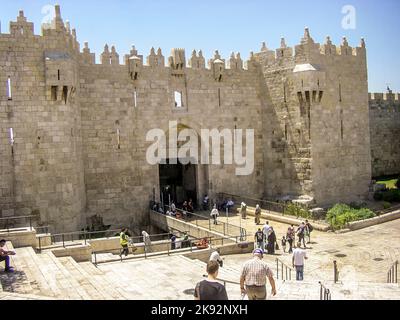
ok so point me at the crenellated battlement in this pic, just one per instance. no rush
(387, 96)
(309, 48)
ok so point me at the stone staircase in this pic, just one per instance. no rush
(44, 276)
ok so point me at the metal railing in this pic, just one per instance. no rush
(286, 271)
(186, 245)
(324, 293)
(224, 281)
(392, 273)
(225, 228)
(252, 202)
(6, 225)
(335, 272)
(63, 239)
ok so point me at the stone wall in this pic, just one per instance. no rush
(384, 116)
(79, 128)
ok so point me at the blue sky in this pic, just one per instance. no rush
(227, 25)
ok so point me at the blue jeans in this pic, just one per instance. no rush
(7, 261)
(299, 273)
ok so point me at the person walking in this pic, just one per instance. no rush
(271, 241)
(254, 277)
(215, 256)
(243, 210)
(259, 239)
(299, 255)
(210, 289)
(310, 229)
(146, 241)
(214, 214)
(257, 214)
(266, 230)
(5, 256)
(290, 236)
(124, 241)
(283, 242)
(301, 233)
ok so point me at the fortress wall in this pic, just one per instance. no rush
(384, 116)
(340, 134)
(121, 180)
(44, 172)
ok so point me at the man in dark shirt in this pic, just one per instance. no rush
(210, 289)
(259, 237)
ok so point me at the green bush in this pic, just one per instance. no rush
(341, 214)
(392, 195)
(296, 210)
(386, 205)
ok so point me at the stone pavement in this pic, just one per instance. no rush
(363, 255)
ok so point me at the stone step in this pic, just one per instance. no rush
(30, 273)
(102, 281)
(85, 281)
(62, 279)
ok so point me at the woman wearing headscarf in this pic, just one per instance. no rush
(271, 241)
(146, 241)
(257, 214)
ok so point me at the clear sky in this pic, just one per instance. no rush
(228, 25)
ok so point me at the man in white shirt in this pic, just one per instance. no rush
(299, 255)
(266, 230)
(215, 256)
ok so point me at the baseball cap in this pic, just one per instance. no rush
(258, 251)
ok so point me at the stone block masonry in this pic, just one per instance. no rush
(73, 132)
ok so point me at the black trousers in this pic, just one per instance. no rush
(125, 250)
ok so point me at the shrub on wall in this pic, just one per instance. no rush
(293, 209)
(341, 214)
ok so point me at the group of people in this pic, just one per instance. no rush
(253, 278)
(126, 242)
(266, 239)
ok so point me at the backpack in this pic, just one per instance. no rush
(310, 228)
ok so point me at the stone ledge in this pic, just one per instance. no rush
(287, 219)
(357, 225)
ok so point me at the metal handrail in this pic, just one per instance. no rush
(335, 272)
(287, 275)
(192, 243)
(269, 205)
(223, 280)
(7, 219)
(225, 226)
(392, 273)
(324, 293)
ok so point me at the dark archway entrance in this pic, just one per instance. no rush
(178, 182)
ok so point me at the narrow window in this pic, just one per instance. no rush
(340, 92)
(178, 99)
(9, 90)
(22, 31)
(11, 136)
(58, 75)
(284, 93)
(119, 139)
(219, 97)
(341, 124)
(65, 94)
(135, 98)
(54, 91)
(286, 131)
